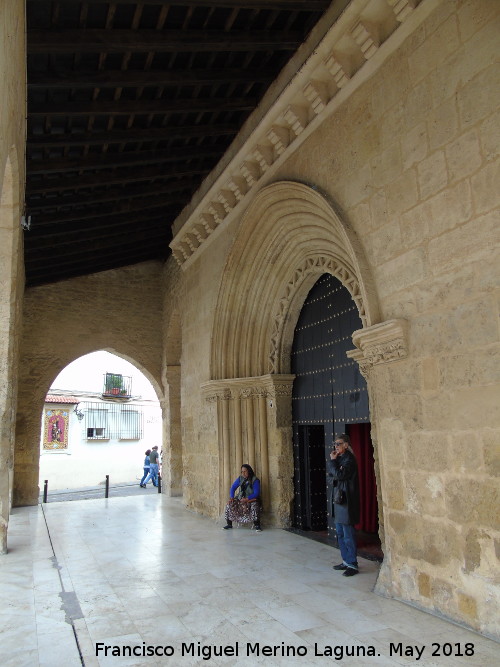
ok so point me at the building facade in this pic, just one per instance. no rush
(376, 164)
(85, 436)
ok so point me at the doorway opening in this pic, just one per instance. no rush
(100, 415)
(329, 397)
(310, 479)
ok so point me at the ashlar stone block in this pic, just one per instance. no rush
(427, 451)
(466, 452)
(485, 187)
(479, 96)
(437, 47)
(402, 193)
(466, 244)
(429, 374)
(490, 137)
(394, 496)
(475, 501)
(442, 124)
(491, 451)
(432, 174)
(401, 272)
(467, 606)
(463, 156)
(476, 406)
(414, 145)
(384, 243)
(424, 584)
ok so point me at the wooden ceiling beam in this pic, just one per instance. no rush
(160, 41)
(288, 5)
(93, 161)
(132, 135)
(145, 78)
(96, 231)
(125, 107)
(116, 178)
(156, 247)
(117, 208)
(110, 194)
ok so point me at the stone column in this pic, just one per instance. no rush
(172, 456)
(376, 346)
(250, 431)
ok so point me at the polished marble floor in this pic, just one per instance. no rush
(142, 573)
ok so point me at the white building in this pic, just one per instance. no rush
(87, 435)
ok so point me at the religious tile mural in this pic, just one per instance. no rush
(55, 432)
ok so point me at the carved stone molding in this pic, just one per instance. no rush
(380, 344)
(315, 265)
(269, 386)
(334, 67)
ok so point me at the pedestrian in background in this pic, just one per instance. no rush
(146, 468)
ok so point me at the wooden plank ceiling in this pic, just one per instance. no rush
(130, 105)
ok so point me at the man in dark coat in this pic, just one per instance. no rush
(345, 502)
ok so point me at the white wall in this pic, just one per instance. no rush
(87, 462)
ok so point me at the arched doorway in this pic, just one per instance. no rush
(99, 416)
(329, 397)
(289, 237)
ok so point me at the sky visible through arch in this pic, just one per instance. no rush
(87, 374)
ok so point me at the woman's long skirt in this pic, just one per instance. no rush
(242, 512)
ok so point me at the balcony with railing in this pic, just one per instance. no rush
(117, 386)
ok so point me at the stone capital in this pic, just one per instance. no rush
(272, 386)
(379, 344)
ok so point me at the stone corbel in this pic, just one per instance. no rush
(379, 344)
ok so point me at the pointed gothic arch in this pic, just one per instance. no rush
(289, 236)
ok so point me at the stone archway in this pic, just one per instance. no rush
(289, 236)
(76, 317)
(26, 471)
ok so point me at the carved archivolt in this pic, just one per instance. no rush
(310, 267)
(288, 238)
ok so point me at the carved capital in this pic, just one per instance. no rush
(272, 386)
(380, 344)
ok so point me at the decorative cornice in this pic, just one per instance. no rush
(269, 386)
(380, 344)
(325, 80)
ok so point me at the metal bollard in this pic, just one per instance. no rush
(107, 487)
(45, 490)
(159, 483)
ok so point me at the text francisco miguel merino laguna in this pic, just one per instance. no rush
(208, 651)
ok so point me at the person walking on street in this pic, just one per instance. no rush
(146, 468)
(154, 464)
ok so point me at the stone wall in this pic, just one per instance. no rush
(12, 133)
(409, 160)
(119, 311)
